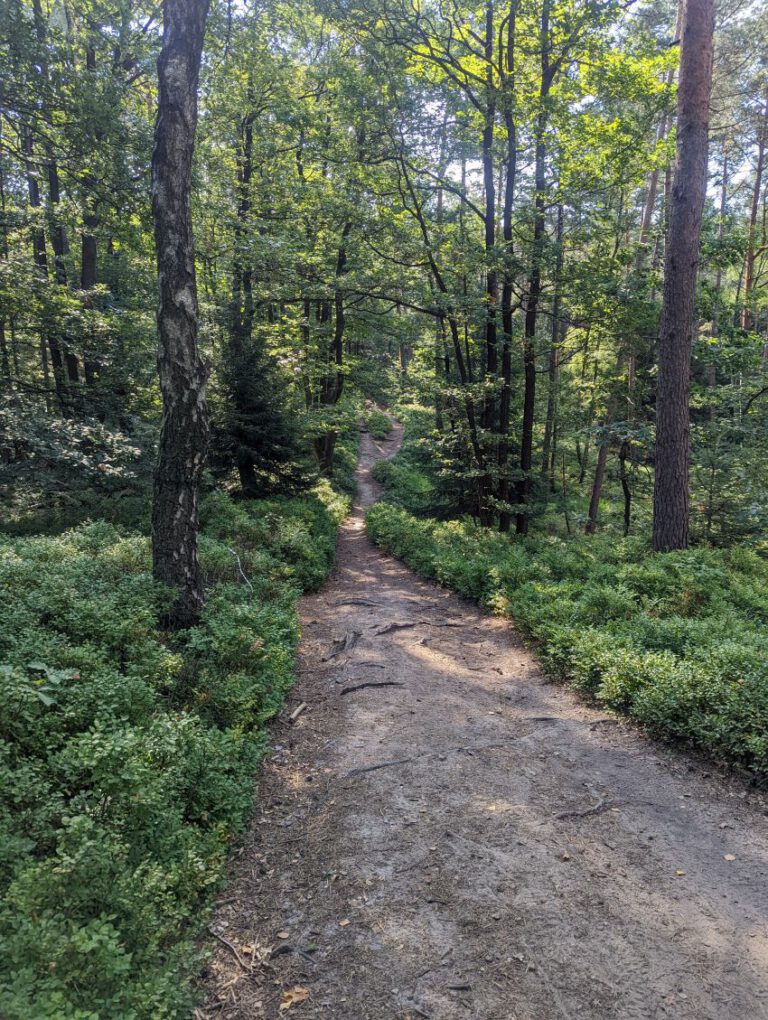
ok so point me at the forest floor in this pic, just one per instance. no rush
(443, 833)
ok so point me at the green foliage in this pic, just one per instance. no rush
(678, 640)
(126, 761)
(255, 426)
(345, 460)
(378, 424)
(54, 472)
(417, 478)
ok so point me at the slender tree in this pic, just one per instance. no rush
(184, 430)
(548, 71)
(671, 490)
(757, 191)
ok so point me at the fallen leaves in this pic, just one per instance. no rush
(294, 997)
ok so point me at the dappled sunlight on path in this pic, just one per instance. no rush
(444, 834)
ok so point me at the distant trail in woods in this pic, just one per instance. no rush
(454, 837)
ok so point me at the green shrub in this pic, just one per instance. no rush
(676, 640)
(410, 478)
(126, 762)
(378, 424)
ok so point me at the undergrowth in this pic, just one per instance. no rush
(378, 424)
(126, 759)
(678, 641)
(410, 479)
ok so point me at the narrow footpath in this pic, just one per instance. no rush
(441, 833)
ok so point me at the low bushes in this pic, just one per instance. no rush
(126, 760)
(405, 485)
(378, 424)
(412, 479)
(678, 640)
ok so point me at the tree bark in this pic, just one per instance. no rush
(547, 463)
(534, 283)
(715, 330)
(671, 495)
(88, 264)
(5, 361)
(624, 452)
(183, 377)
(757, 191)
(463, 361)
(597, 488)
(602, 459)
(60, 247)
(242, 313)
(505, 402)
(332, 384)
(491, 277)
(50, 349)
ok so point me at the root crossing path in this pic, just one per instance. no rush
(442, 833)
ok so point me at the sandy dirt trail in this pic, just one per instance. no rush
(470, 841)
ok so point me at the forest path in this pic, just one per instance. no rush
(473, 842)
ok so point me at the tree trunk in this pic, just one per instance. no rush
(239, 365)
(58, 237)
(534, 283)
(757, 191)
(624, 452)
(491, 278)
(4, 356)
(88, 264)
(463, 361)
(184, 430)
(671, 489)
(505, 402)
(597, 488)
(715, 330)
(547, 470)
(441, 356)
(88, 257)
(60, 247)
(5, 361)
(50, 349)
(325, 447)
(602, 458)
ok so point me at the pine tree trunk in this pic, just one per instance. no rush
(184, 430)
(757, 191)
(671, 490)
(715, 330)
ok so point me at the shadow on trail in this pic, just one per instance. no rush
(477, 842)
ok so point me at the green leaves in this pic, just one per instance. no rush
(126, 764)
(648, 635)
